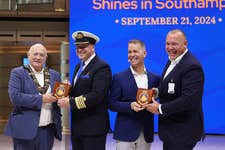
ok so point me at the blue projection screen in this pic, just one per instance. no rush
(118, 21)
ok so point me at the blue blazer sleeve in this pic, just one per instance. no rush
(21, 91)
(117, 102)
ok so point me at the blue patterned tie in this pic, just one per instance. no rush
(79, 71)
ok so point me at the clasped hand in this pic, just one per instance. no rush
(64, 102)
(152, 107)
(49, 98)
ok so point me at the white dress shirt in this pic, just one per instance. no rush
(140, 79)
(46, 113)
(88, 61)
(174, 63)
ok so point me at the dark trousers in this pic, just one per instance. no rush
(43, 141)
(180, 146)
(88, 142)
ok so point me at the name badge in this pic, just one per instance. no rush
(171, 88)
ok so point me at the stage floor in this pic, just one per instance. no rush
(212, 142)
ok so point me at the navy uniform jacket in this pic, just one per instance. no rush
(93, 84)
(24, 119)
(182, 119)
(129, 123)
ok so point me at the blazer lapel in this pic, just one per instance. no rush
(131, 79)
(52, 82)
(177, 67)
(31, 82)
(89, 66)
(165, 68)
(150, 80)
(85, 71)
(74, 74)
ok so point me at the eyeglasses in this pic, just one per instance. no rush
(82, 46)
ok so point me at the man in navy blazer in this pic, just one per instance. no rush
(134, 127)
(180, 92)
(35, 119)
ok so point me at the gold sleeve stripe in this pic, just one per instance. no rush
(79, 101)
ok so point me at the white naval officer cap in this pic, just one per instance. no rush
(84, 37)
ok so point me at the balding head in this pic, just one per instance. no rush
(178, 32)
(38, 46)
(37, 56)
(176, 43)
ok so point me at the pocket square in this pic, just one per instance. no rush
(85, 77)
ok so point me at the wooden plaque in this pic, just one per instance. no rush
(144, 96)
(61, 90)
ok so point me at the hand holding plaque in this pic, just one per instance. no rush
(144, 96)
(61, 90)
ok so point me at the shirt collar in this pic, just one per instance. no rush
(36, 72)
(178, 59)
(89, 59)
(135, 73)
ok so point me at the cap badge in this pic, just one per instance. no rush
(79, 35)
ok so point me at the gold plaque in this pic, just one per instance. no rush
(144, 96)
(61, 90)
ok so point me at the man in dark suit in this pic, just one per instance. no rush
(88, 96)
(134, 127)
(180, 93)
(35, 118)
